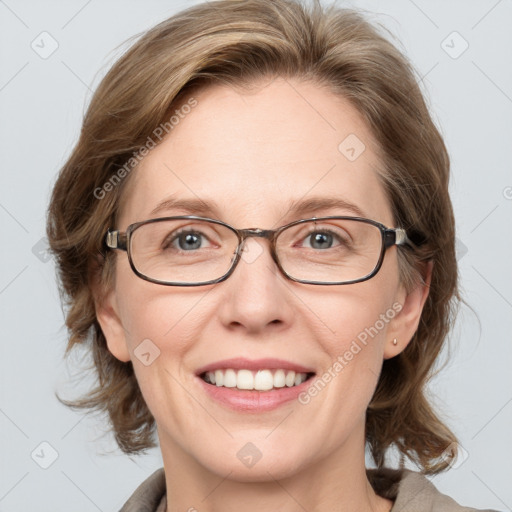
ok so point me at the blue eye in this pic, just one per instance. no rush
(319, 240)
(188, 241)
(185, 240)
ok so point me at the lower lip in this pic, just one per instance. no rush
(252, 400)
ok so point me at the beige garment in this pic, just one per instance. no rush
(411, 492)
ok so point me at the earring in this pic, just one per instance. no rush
(395, 342)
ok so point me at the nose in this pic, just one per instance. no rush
(256, 297)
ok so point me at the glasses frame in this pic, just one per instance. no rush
(116, 239)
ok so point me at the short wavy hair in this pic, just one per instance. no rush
(237, 43)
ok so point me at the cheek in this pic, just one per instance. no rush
(161, 324)
(159, 313)
(358, 314)
(357, 319)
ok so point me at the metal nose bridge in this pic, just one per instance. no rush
(256, 232)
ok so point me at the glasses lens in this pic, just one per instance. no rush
(183, 250)
(329, 250)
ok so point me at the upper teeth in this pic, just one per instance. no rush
(262, 380)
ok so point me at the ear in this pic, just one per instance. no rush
(406, 322)
(107, 314)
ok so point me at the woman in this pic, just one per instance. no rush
(256, 239)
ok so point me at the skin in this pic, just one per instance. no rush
(253, 153)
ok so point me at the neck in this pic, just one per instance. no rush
(338, 482)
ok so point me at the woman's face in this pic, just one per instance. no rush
(253, 155)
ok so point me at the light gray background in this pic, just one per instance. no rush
(41, 105)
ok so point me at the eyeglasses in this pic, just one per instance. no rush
(193, 251)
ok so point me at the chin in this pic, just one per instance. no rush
(246, 461)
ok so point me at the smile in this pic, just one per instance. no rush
(254, 385)
(260, 380)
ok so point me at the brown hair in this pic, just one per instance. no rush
(237, 42)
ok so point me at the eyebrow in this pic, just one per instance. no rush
(191, 206)
(315, 204)
(208, 208)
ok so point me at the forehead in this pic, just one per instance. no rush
(253, 154)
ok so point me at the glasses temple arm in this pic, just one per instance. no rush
(397, 236)
(116, 240)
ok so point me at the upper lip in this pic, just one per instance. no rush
(240, 363)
